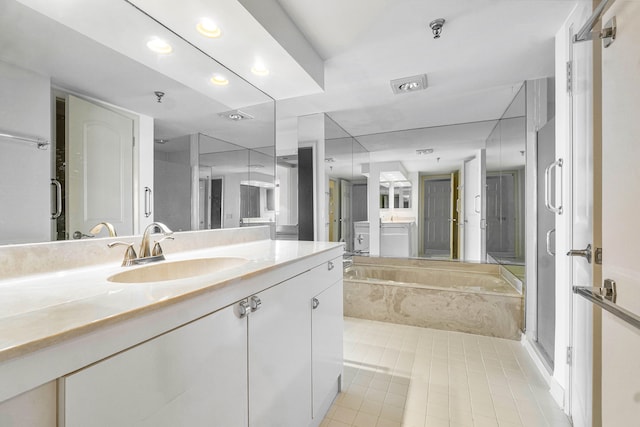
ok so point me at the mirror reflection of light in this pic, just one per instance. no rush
(159, 46)
(208, 28)
(219, 80)
(259, 68)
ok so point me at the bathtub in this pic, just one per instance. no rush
(476, 298)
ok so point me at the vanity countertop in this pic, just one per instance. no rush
(41, 310)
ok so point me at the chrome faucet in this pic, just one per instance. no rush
(98, 227)
(146, 254)
(145, 246)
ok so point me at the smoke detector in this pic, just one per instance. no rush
(235, 115)
(409, 84)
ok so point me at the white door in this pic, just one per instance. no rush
(579, 208)
(620, 207)
(100, 168)
(346, 221)
(475, 208)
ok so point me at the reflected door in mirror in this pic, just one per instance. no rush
(100, 164)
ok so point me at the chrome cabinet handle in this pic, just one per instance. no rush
(549, 251)
(330, 265)
(547, 187)
(58, 197)
(243, 309)
(315, 302)
(147, 201)
(582, 252)
(255, 303)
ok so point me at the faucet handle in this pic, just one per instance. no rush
(129, 255)
(157, 249)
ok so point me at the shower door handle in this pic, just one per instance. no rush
(58, 198)
(547, 187)
(549, 251)
(582, 252)
(147, 201)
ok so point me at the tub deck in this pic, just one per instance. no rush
(445, 295)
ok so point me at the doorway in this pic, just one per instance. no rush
(216, 203)
(93, 168)
(439, 216)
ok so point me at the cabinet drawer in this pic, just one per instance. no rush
(325, 274)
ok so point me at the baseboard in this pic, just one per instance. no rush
(555, 389)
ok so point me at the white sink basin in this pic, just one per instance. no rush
(172, 270)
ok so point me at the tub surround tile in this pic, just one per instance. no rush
(457, 296)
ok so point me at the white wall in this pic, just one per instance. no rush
(25, 171)
(620, 207)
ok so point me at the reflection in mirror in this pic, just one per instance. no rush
(505, 183)
(346, 185)
(61, 78)
(397, 191)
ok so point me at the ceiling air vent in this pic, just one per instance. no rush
(235, 115)
(409, 84)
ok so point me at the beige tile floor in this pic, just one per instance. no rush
(405, 376)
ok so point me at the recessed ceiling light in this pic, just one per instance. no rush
(235, 115)
(219, 80)
(409, 84)
(208, 28)
(159, 46)
(259, 68)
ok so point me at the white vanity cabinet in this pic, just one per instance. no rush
(276, 363)
(195, 375)
(284, 365)
(326, 347)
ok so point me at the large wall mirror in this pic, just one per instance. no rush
(95, 127)
(460, 188)
(347, 186)
(505, 184)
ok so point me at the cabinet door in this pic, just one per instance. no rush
(195, 375)
(280, 355)
(326, 345)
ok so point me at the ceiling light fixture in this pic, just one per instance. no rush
(259, 68)
(219, 80)
(208, 28)
(409, 84)
(424, 151)
(159, 46)
(235, 115)
(330, 160)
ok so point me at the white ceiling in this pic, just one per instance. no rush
(487, 48)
